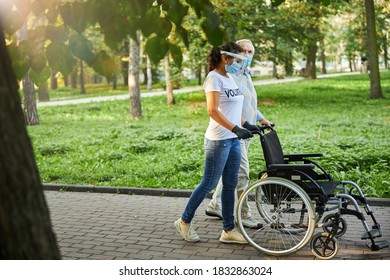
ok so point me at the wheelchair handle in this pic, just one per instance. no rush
(263, 128)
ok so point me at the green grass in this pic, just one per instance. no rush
(99, 143)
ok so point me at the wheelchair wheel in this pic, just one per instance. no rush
(286, 212)
(323, 247)
(263, 213)
(342, 225)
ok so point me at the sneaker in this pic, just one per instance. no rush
(214, 212)
(232, 236)
(250, 222)
(186, 231)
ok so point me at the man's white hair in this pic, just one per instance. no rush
(245, 41)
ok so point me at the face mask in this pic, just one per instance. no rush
(234, 69)
(247, 62)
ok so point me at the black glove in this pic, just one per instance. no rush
(242, 133)
(251, 127)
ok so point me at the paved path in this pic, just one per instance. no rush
(94, 226)
(177, 91)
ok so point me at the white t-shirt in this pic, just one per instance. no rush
(230, 104)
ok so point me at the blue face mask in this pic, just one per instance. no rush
(247, 62)
(234, 69)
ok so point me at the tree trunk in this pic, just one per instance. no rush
(323, 56)
(376, 90)
(289, 64)
(114, 82)
(168, 82)
(149, 73)
(199, 75)
(29, 102)
(53, 81)
(125, 64)
(66, 81)
(82, 82)
(43, 92)
(73, 78)
(25, 226)
(134, 87)
(275, 55)
(385, 52)
(310, 70)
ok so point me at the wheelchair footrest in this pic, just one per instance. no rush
(378, 245)
(375, 232)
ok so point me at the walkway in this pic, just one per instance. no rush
(94, 226)
(177, 91)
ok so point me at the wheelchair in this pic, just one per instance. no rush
(292, 197)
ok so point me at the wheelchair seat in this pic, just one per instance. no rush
(298, 168)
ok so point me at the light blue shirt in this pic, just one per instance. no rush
(249, 109)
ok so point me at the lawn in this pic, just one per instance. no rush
(99, 143)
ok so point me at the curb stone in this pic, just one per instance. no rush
(373, 201)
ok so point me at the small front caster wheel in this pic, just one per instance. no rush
(341, 225)
(324, 247)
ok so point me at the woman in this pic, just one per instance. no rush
(222, 144)
(251, 115)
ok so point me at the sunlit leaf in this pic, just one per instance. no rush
(176, 54)
(104, 64)
(38, 62)
(182, 32)
(276, 3)
(40, 77)
(177, 11)
(73, 15)
(163, 27)
(81, 48)
(19, 61)
(58, 34)
(60, 58)
(52, 15)
(195, 4)
(214, 34)
(156, 48)
(151, 17)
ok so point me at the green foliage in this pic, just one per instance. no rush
(100, 144)
(104, 64)
(117, 20)
(81, 48)
(60, 58)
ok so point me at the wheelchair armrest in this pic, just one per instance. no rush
(297, 157)
(291, 166)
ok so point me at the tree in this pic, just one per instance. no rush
(134, 87)
(168, 82)
(25, 227)
(376, 90)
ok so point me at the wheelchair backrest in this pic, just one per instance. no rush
(272, 150)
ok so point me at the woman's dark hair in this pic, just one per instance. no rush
(215, 57)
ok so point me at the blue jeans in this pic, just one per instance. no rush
(222, 159)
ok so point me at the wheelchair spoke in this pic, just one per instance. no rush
(286, 213)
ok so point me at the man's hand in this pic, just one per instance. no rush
(251, 127)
